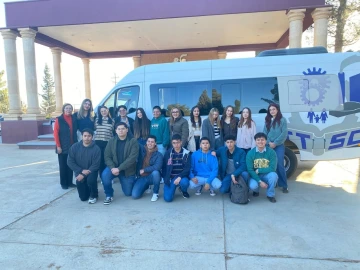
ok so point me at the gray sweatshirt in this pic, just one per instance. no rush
(84, 158)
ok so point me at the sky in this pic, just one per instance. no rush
(101, 71)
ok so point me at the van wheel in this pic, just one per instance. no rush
(290, 162)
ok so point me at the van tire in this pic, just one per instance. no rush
(290, 162)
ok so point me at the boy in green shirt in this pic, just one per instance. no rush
(261, 164)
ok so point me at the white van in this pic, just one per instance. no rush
(318, 93)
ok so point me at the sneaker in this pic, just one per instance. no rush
(272, 199)
(198, 191)
(148, 191)
(256, 194)
(72, 185)
(212, 193)
(185, 194)
(162, 181)
(92, 200)
(285, 190)
(108, 200)
(155, 197)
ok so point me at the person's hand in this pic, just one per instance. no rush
(79, 178)
(257, 171)
(195, 180)
(213, 153)
(86, 172)
(272, 145)
(141, 172)
(234, 179)
(207, 186)
(115, 171)
(263, 184)
(59, 150)
(177, 181)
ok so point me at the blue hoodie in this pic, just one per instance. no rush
(204, 165)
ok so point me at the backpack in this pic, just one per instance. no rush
(239, 193)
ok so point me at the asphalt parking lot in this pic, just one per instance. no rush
(315, 226)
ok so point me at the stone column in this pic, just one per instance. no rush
(321, 19)
(137, 61)
(86, 62)
(33, 110)
(56, 53)
(12, 76)
(296, 18)
(222, 55)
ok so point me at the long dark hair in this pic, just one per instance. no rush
(192, 118)
(232, 118)
(269, 117)
(99, 116)
(142, 124)
(242, 120)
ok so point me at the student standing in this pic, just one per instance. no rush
(276, 131)
(160, 129)
(211, 128)
(84, 117)
(141, 126)
(122, 110)
(229, 122)
(65, 137)
(195, 131)
(178, 125)
(246, 131)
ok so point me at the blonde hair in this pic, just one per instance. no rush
(80, 114)
(171, 117)
(211, 118)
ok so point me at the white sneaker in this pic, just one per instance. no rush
(148, 190)
(92, 200)
(162, 181)
(155, 197)
(212, 193)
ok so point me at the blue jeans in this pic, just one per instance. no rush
(215, 184)
(280, 170)
(269, 178)
(142, 184)
(127, 183)
(225, 185)
(161, 149)
(169, 190)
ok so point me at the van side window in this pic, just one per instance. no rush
(184, 95)
(128, 96)
(109, 103)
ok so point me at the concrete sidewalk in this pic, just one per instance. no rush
(315, 226)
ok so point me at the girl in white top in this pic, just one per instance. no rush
(194, 129)
(246, 131)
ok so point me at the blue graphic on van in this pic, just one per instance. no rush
(314, 72)
(311, 116)
(320, 84)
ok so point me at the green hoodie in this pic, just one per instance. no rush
(264, 162)
(160, 129)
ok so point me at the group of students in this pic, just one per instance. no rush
(204, 155)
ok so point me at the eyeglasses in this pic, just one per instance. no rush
(175, 112)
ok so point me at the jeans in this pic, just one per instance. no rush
(269, 178)
(169, 190)
(280, 170)
(102, 146)
(143, 183)
(161, 149)
(215, 184)
(88, 187)
(127, 183)
(226, 182)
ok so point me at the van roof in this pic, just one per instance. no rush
(293, 51)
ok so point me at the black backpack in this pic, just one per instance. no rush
(239, 193)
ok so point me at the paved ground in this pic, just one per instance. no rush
(315, 226)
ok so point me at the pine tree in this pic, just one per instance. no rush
(204, 103)
(4, 95)
(48, 96)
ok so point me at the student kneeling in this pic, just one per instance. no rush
(84, 159)
(261, 163)
(176, 169)
(150, 161)
(204, 169)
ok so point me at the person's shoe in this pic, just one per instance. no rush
(185, 194)
(272, 199)
(255, 194)
(64, 187)
(285, 190)
(72, 185)
(212, 193)
(198, 191)
(162, 181)
(108, 200)
(92, 200)
(148, 191)
(155, 197)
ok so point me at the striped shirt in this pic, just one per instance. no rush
(104, 132)
(177, 163)
(216, 130)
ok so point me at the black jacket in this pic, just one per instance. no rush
(167, 165)
(64, 134)
(84, 158)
